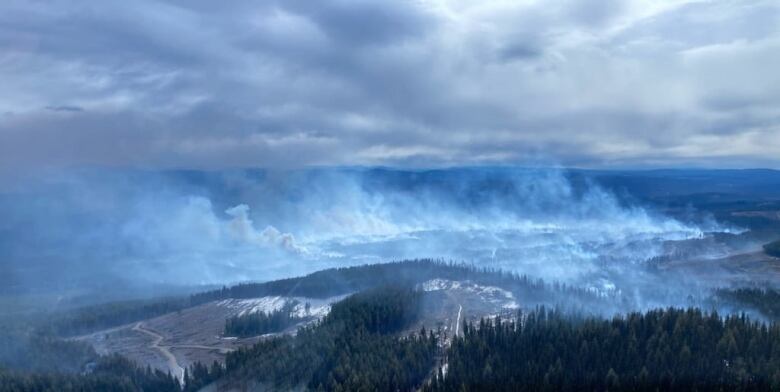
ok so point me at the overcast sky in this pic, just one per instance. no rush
(215, 84)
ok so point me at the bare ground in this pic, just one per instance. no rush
(175, 341)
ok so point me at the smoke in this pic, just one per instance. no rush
(243, 229)
(222, 227)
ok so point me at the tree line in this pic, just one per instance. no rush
(101, 316)
(321, 284)
(360, 345)
(338, 281)
(763, 300)
(668, 350)
(110, 373)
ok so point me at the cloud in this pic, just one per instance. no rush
(349, 82)
(64, 108)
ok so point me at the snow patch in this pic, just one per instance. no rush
(492, 294)
(317, 307)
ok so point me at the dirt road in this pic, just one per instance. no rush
(223, 350)
(173, 364)
(457, 321)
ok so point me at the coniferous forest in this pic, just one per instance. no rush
(666, 350)
(358, 346)
(111, 373)
(371, 340)
(389, 195)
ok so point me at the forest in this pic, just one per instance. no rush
(546, 349)
(668, 350)
(32, 359)
(762, 300)
(367, 340)
(358, 346)
(339, 281)
(321, 284)
(109, 373)
(101, 316)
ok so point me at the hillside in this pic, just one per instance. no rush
(338, 329)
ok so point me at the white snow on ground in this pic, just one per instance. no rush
(317, 307)
(492, 294)
(440, 284)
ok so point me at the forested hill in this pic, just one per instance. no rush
(356, 347)
(662, 350)
(366, 343)
(111, 373)
(338, 281)
(322, 284)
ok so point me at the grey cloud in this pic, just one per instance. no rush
(65, 108)
(361, 22)
(520, 51)
(288, 83)
(595, 13)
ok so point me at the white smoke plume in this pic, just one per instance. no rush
(233, 226)
(242, 228)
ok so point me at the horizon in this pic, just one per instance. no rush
(389, 195)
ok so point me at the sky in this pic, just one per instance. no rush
(212, 85)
